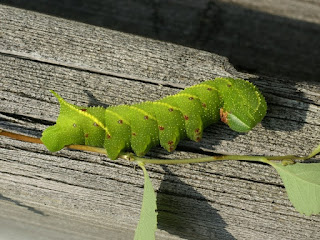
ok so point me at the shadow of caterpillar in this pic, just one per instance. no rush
(142, 126)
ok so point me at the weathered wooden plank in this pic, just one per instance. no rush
(23, 221)
(225, 182)
(99, 49)
(99, 198)
(265, 37)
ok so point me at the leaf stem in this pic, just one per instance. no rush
(200, 160)
(313, 153)
(131, 157)
(287, 159)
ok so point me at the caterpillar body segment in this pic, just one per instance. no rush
(141, 126)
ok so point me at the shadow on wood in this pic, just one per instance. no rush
(202, 222)
(20, 204)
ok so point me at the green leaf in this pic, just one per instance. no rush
(148, 216)
(302, 182)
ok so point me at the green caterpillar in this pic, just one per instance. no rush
(142, 126)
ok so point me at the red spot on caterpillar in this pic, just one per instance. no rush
(161, 128)
(134, 134)
(108, 136)
(186, 117)
(198, 139)
(95, 124)
(86, 135)
(209, 89)
(190, 98)
(197, 131)
(171, 148)
(170, 142)
(204, 105)
(170, 109)
(84, 110)
(120, 121)
(146, 117)
(223, 116)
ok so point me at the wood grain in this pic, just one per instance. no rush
(261, 37)
(77, 195)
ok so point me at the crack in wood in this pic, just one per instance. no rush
(33, 57)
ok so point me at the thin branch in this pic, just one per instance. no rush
(288, 159)
(25, 138)
(20, 137)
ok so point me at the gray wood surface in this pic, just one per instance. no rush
(267, 37)
(78, 195)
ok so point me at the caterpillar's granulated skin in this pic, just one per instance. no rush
(141, 126)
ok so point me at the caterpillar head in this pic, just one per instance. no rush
(243, 104)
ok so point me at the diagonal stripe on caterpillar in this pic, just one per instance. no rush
(141, 126)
